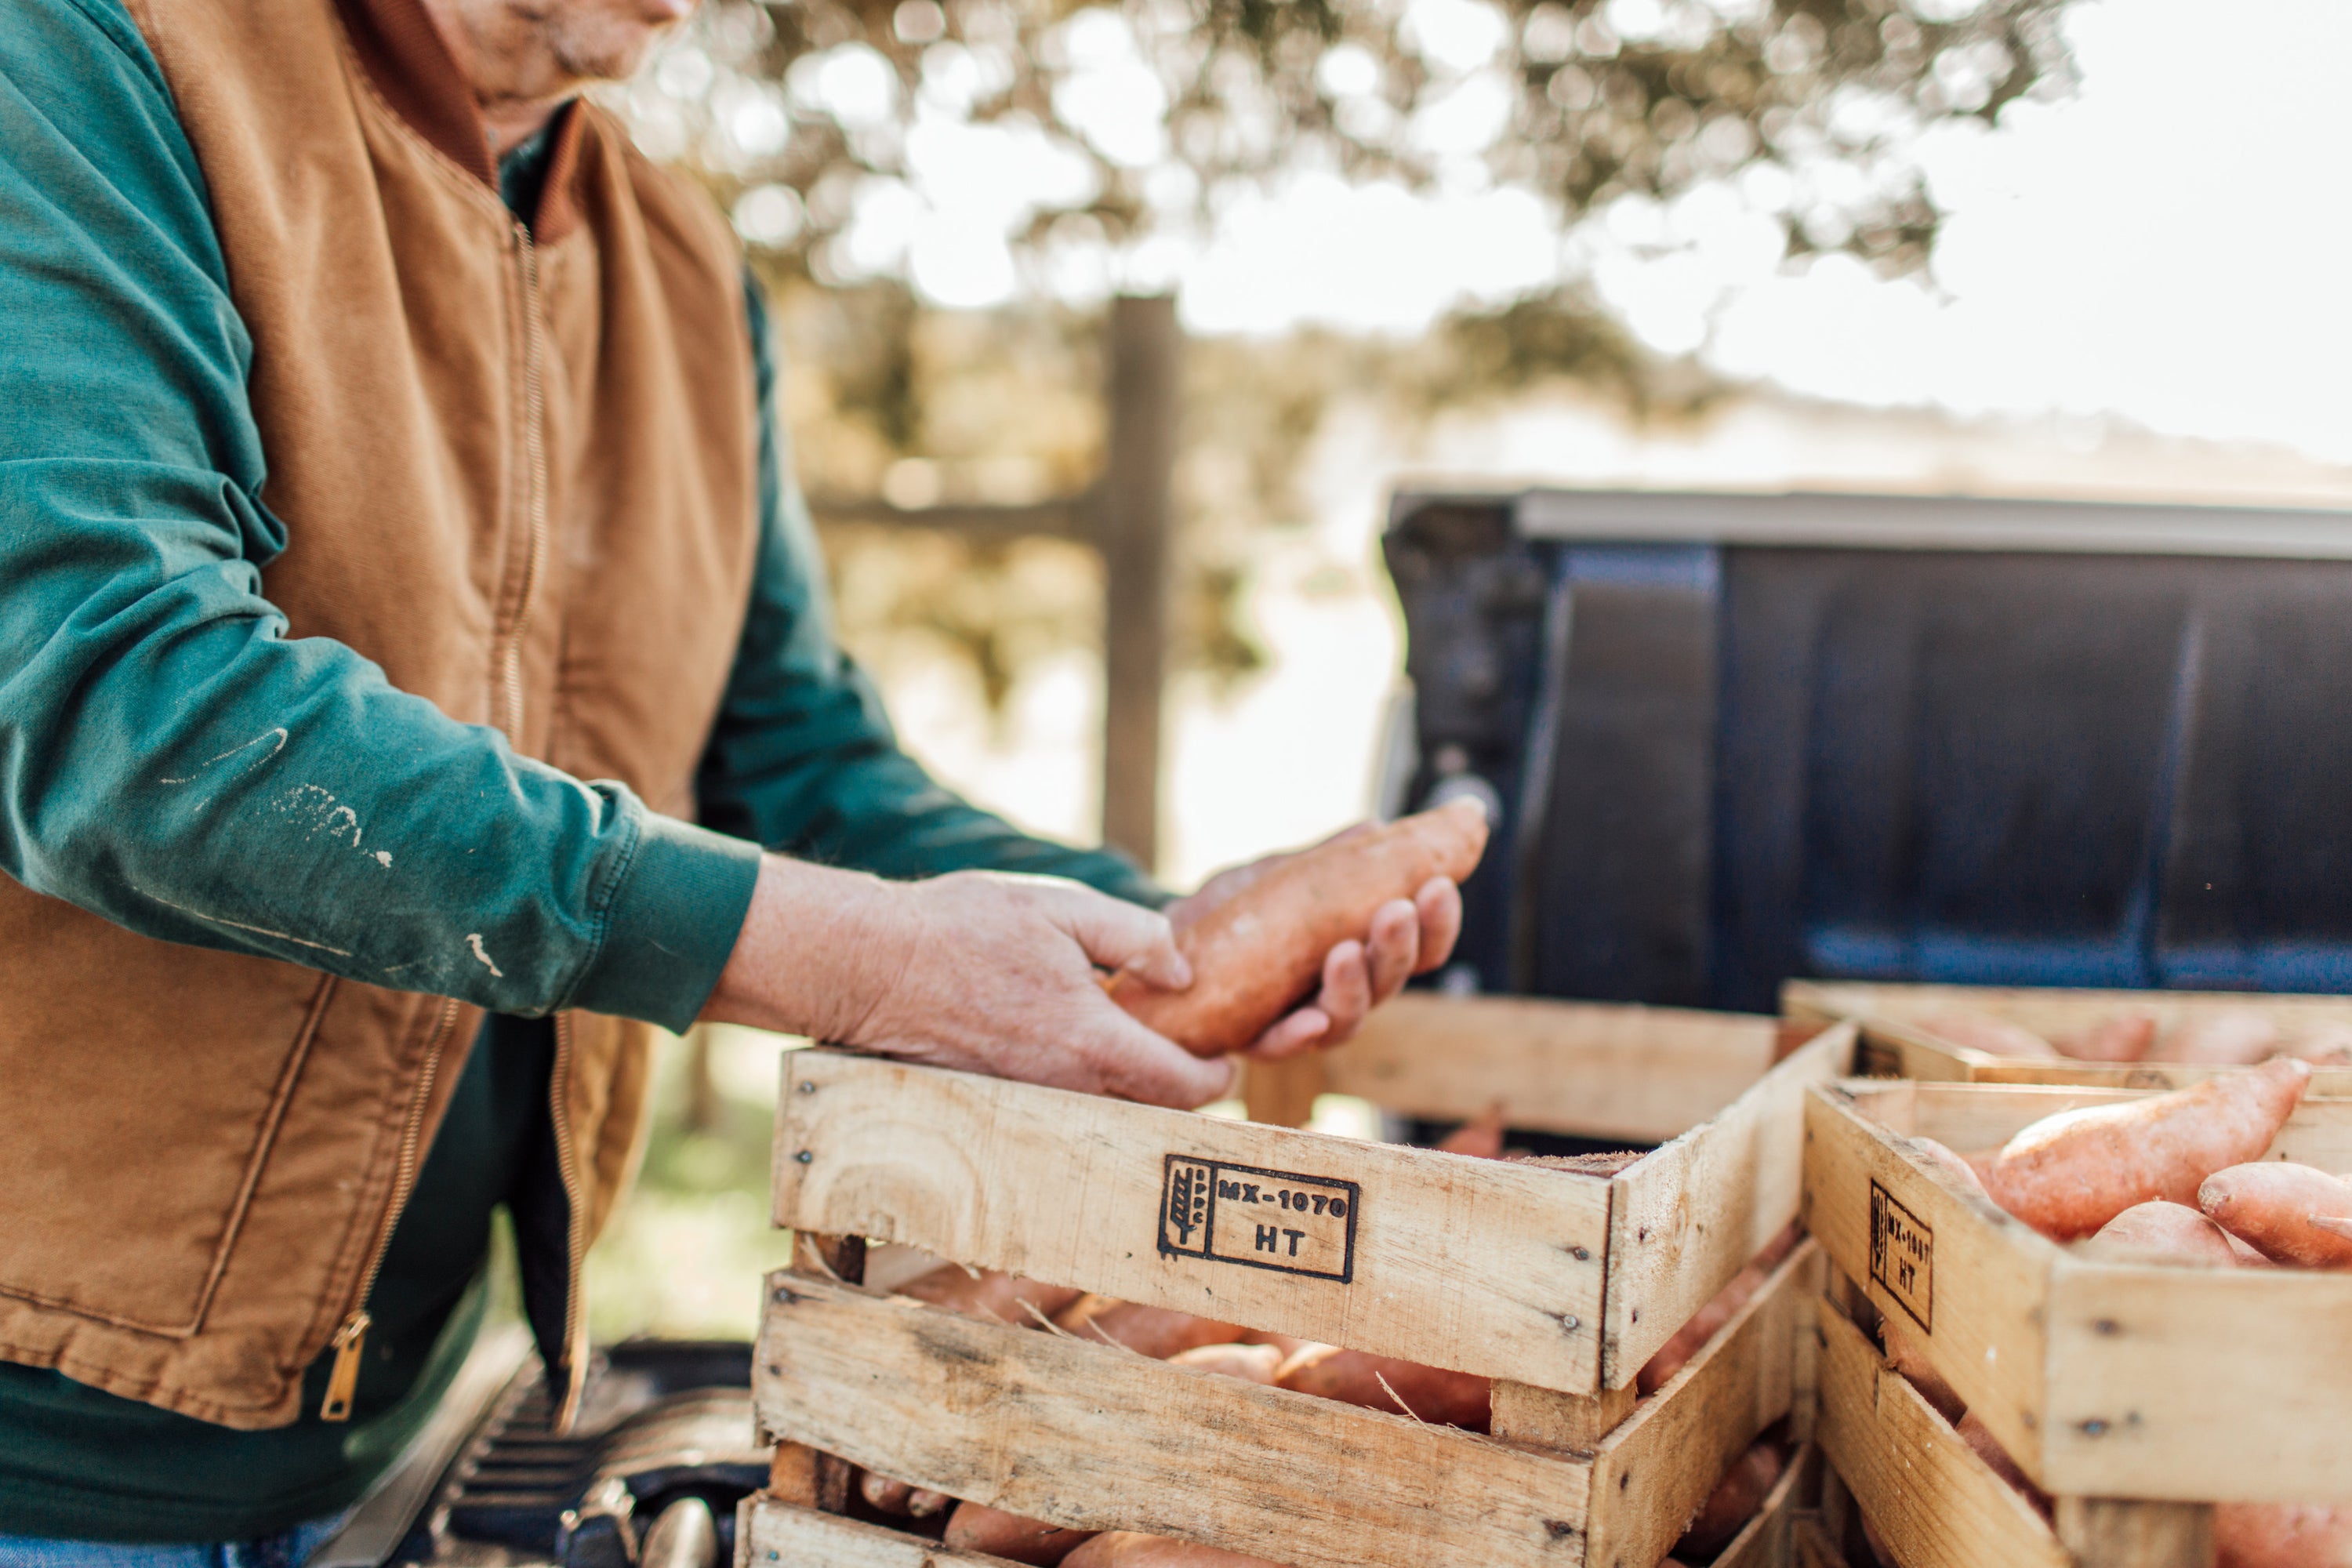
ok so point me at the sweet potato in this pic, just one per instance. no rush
(1156, 1332)
(973, 1528)
(2236, 1037)
(1979, 1438)
(2280, 1209)
(1481, 1137)
(2161, 1232)
(1260, 952)
(1251, 1363)
(1288, 1344)
(889, 1495)
(2282, 1535)
(2125, 1038)
(1128, 1549)
(2069, 1175)
(1707, 1322)
(1004, 1297)
(1962, 1174)
(1429, 1393)
(1983, 1032)
(2328, 1046)
(1735, 1500)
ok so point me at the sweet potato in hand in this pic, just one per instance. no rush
(1429, 1393)
(2162, 1231)
(996, 1533)
(2284, 1211)
(1260, 952)
(2069, 1175)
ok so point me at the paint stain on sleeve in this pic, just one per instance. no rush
(474, 940)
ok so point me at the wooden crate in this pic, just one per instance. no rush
(1893, 1045)
(2112, 1386)
(1558, 1286)
(1092, 1436)
(770, 1533)
(1565, 1283)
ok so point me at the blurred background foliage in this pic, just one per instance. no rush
(1079, 149)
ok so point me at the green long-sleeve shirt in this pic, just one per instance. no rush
(137, 646)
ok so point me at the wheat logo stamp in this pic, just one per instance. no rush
(1902, 1257)
(1281, 1220)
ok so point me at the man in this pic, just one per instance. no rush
(386, 453)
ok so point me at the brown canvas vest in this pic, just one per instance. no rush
(516, 471)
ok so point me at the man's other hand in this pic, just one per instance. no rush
(1408, 937)
(977, 970)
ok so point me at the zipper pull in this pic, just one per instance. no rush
(344, 1380)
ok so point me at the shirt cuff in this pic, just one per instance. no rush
(672, 925)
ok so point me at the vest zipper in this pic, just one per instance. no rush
(343, 1380)
(535, 474)
(567, 1165)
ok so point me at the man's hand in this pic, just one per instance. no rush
(990, 973)
(1408, 937)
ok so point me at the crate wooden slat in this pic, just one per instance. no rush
(1091, 1436)
(773, 1534)
(1513, 1272)
(1768, 1541)
(1600, 1070)
(1893, 1045)
(1930, 1498)
(2102, 1380)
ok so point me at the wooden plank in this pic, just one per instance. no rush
(1569, 1423)
(1935, 1503)
(1133, 508)
(1283, 1093)
(1766, 1540)
(1093, 1437)
(2082, 1368)
(2185, 1384)
(1974, 1282)
(1481, 1266)
(1689, 1215)
(2047, 1010)
(1652, 1473)
(2105, 1534)
(772, 1533)
(1811, 1546)
(1893, 1041)
(1607, 1070)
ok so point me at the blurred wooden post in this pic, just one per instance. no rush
(1133, 514)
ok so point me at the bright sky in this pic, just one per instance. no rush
(2169, 245)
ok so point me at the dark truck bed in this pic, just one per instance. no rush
(1737, 739)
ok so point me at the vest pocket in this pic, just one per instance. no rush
(146, 1083)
